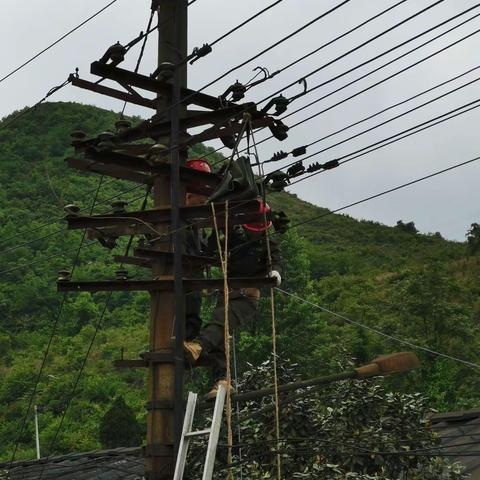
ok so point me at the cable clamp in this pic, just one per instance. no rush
(199, 52)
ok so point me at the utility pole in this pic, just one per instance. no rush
(37, 433)
(160, 166)
(165, 380)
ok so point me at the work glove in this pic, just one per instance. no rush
(276, 275)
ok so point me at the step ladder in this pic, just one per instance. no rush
(213, 432)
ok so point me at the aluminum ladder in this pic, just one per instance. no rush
(213, 432)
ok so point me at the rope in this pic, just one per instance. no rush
(272, 308)
(226, 300)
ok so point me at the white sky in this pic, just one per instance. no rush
(447, 203)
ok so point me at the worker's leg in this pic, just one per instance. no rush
(242, 309)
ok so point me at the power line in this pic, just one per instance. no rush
(248, 20)
(27, 110)
(336, 59)
(397, 104)
(57, 41)
(50, 341)
(89, 349)
(358, 47)
(348, 32)
(385, 65)
(408, 132)
(388, 120)
(379, 332)
(371, 73)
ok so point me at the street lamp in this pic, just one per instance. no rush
(384, 365)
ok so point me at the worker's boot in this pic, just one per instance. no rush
(192, 351)
(213, 392)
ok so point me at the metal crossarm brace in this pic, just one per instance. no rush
(112, 92)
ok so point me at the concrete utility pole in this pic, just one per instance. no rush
(165, 380)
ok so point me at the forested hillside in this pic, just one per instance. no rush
(421, 288)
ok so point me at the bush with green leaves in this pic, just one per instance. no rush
(349, 430)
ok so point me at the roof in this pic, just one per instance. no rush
(460, 433)
(119, 463)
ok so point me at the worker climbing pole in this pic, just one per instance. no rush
(187, 198)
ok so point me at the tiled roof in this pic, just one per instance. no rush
(120, 463)
(460, 432)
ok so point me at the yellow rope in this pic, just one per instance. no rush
(274, 329)
(226, 300)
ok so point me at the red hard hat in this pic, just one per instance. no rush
(199, 164)
(259, 227)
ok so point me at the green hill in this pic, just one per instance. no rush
(421, 288)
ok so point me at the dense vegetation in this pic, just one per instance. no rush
(421, 288)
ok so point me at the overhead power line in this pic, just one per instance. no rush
(385, 122)
(379, 332)
(248, 20)
(403, 134)
(50, 340)
(370, 87)
(376, 37)
(348, 32)
(57, 41)
(89, 349)
(390, 107)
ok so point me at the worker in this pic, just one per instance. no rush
(248, 257)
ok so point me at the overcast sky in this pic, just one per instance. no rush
(448, 203)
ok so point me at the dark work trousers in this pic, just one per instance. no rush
(193, 321)
(242, 309)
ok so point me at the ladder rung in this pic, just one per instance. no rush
(198, 433)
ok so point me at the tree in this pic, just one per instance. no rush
(348, 430)
(473, 238)
(407, 227)
(119, 427)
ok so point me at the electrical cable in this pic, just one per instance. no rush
(27, 110)
(379, 332)
(348, 32)
(388, 120)
(56, 255)
(385, 65)
(345, 54)
(57, 41)
(49, 343)
(87, 354)
(388, 30)
(369, 117)
(366, 75)
(377, 146)
(248, 20)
